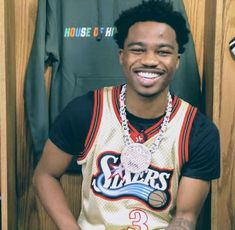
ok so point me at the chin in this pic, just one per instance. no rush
(149, 93)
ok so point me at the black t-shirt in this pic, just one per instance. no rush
(70, 129)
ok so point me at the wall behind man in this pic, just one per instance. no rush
(212, 62)
(7, 113)
(30, 213)
(223, 199)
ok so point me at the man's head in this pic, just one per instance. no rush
(156, 11)
(151, 37)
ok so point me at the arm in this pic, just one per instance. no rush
(191, 196)
(46, 181)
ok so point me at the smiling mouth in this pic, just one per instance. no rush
(148, 75)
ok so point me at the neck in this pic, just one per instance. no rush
(146, 107)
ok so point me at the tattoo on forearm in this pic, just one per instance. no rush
(181, 224)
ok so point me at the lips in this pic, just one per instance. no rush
(148, 77)
(149, 73)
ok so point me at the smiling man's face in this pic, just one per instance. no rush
(149, 58)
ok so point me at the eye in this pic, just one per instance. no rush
(136, 50)
(164, 53)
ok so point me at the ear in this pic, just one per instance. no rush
(121, 56)
(178, 61)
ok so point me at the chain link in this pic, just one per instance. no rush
(126, 132)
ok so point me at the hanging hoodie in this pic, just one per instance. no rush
(75, 37)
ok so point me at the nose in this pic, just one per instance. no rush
(149, 58)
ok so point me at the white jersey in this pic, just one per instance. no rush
(113, 198)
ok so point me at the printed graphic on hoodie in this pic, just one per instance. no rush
(84, 32)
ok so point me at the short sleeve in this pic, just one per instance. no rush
(204, 150)
(70, 128)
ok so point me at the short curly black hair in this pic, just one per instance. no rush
(152, 10)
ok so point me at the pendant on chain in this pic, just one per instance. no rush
(136, 158)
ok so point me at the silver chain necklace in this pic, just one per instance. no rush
(136, 157)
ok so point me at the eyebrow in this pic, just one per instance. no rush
(135, 43)
(142, 44)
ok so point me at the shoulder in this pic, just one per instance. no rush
(203, 126)
(77, 102)
(204, 149)
(204, 136)
(84, 104)
(72, 124)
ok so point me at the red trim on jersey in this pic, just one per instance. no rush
(176, 103)
(115, 100)
(95, 122)
(185, 133)
(151, 131)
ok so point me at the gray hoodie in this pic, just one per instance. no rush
(75, 38)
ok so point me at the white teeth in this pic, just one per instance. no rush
(148, 75)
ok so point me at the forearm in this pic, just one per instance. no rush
(53, 199)
(179, 223)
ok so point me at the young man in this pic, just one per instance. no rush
(147, 156)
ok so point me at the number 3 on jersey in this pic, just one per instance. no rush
(138, 220)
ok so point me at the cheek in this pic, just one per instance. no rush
(125, 62)
(173, 64)
(130, 61)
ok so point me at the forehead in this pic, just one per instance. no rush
(151, 32)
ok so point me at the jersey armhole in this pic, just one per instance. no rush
(183, 148)
(95, 123)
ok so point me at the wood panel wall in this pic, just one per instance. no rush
(30, 212)
(201, 15)
(223, 199)
(7, 115)
(196, 16)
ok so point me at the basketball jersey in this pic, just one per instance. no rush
(114, 198)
